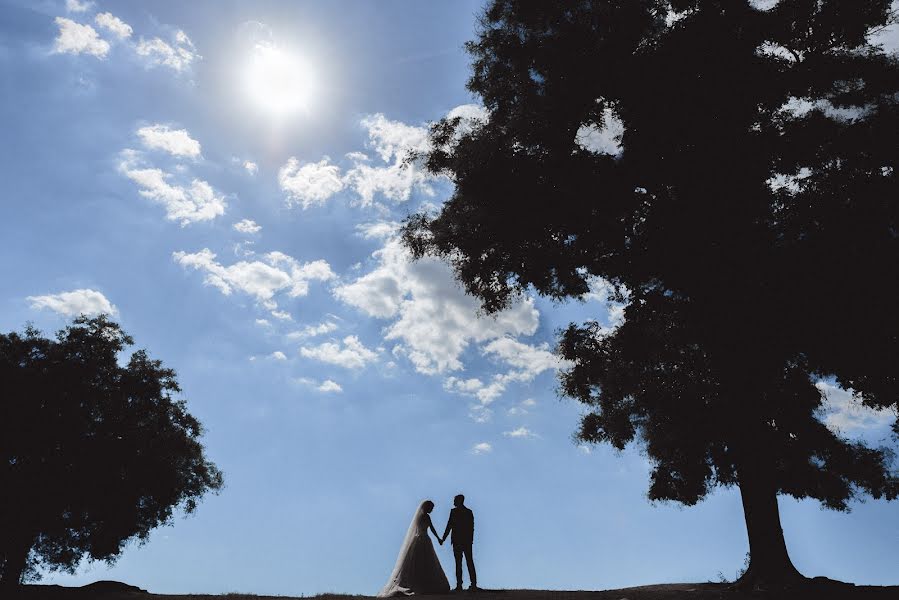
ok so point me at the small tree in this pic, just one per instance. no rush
(750, 211)
(94, 454)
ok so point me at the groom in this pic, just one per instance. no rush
(461, 524)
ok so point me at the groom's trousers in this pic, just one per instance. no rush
(458, 551)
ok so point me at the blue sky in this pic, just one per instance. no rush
(243, 232)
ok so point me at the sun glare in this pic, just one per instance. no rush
(278, 82)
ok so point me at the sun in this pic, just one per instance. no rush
(278, 82)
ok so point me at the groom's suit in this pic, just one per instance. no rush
(461, 524)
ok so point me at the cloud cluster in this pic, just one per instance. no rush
(75, 38)
(177, 56)
(275, 273)
(392, 177)
(350, 354)
(844, 414)
(311, 184)
(433, 320)
(186, 204)
(73, 303)
(602, 140)
(82, 38)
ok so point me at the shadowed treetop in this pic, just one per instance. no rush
(95, 452)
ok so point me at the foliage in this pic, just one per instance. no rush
(95, 452)
(749, 215)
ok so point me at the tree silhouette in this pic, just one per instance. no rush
(748, 214)
(94, 453)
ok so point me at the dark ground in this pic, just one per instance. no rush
(109, 590)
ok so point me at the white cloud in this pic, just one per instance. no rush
(392, 141)
(482, 448)
(329, 386)
(262, 279)
(601, 291)
(463, 386)
(176, 142)
(75, 38)
(522, 408)
(469, 112)
(844, 414)
(434, 320)
(282, 315)
(251, 167)
(377, 230)
(114, 24)
(185, 204)
(526, 362)
(263, 322)
(311, 184)
(602, 140)
(75, 302)
(178, 57)
(278, 355)
(78, 7)
(312, 330)
(521, 432)
(351, 355)
(247, 226)
(480, 413)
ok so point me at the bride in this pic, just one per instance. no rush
(417, 569)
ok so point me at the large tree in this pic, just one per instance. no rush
(748, 214)
(94, 451)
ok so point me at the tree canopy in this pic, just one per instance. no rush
(747, 211)
(95, 451)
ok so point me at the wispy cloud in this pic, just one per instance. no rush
(482, 448)
(78, 7)
(313, 330)
(521, 432)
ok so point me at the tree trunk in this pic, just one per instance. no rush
(16, 559)
(769, 562)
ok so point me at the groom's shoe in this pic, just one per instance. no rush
(474, 588)
(458, 588)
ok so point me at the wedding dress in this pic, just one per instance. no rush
(417, 569)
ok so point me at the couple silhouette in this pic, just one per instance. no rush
(418, 569)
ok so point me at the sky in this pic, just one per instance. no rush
(226, 179)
